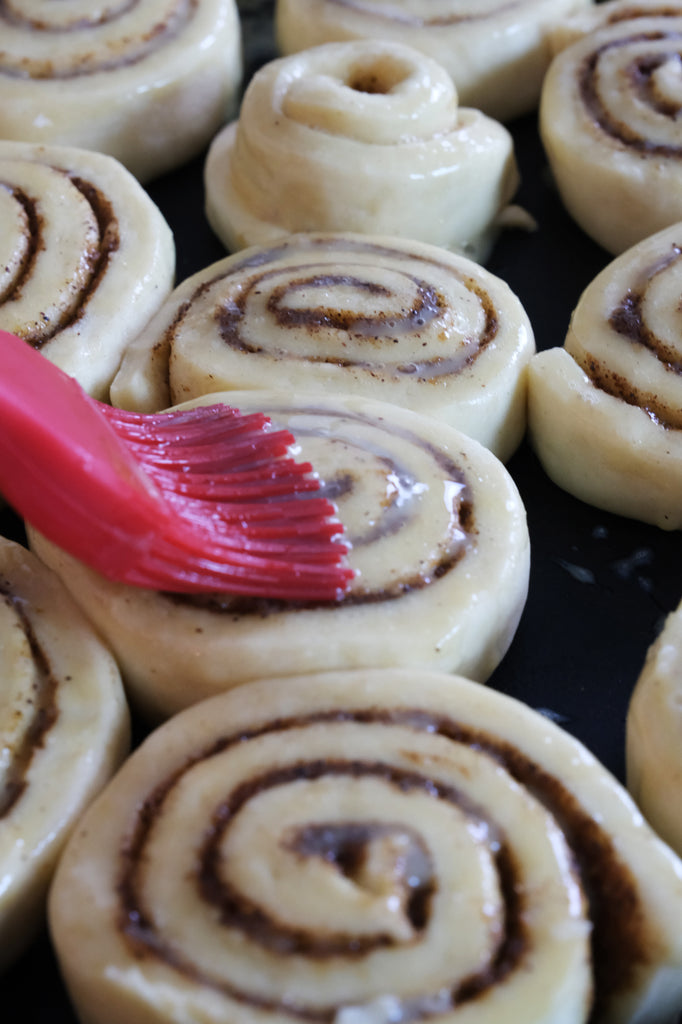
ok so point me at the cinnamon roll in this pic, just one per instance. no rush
(439, 547)
(86, 257)
(609, 120)
(367, 847)
(147, 81)
(359, 136)
(63, 732)
(496, 51)
(604, 411)
(654, 734)
(391, 319)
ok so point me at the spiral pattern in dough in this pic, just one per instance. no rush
(609, 119)
(604, 412)
(654, 734)
(367, 847)
(362, 136)
(63, 732)
(147, 81)
(496, 51)
(439, 544)
(402, 322)
(86, 258)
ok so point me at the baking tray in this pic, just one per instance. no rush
(600, 585)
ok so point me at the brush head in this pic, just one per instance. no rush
(189, 500)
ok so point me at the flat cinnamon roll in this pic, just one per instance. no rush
(439, 546)
(147, 81)
(367, 847)
(604, 411)
(86, 257)
(401, 321)
(654, 734)
(609, 120)
(359, 136)
(63, 732)
(496, 51)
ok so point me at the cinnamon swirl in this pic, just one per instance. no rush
(147, 81)
(654, 734)
(604, 411)
(86, 257)
(63, 732)
(439, 545)
(400, 321)
(495, 50)
(367, 847)
(359, 136)
(609, 120)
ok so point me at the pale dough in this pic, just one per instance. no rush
(86, 257)
(392, 319)
(367, 847)
(63, 732)
(360, 136)
(439, 544)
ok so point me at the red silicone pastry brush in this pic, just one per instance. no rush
(195, 500)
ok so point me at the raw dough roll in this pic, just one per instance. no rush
(148, 81)
(496, 51)
(439, 544)
(609, 120)
(654, 734)
(360, 136)
(86, 257)
(63, 732)
(604, 412)
(399, 321)
(367, 847)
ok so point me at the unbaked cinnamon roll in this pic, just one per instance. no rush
(654, 734)
(147, 81)
(400, 321)
(360, 136)
(495, 50)
(609, 120)
(86, 257)
(604, 411)
(361, 848)
(439, 545)
(63, 732)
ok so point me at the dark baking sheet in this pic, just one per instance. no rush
(600, 585)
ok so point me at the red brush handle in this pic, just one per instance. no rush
(60, 460)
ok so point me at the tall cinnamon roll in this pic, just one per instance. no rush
(86, 257)
(367, 847)
(361, 136)
(147, 81)
(400, 321)
(654, 734)
(604, 411)
(496, 51)
(609, 120)
(63, 732)
(439, 546)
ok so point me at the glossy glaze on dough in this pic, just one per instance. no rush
(147, 81)
(495, 50)
(63, 732)
(604, 411)
(383, 317)
(367, 847)
(654, 734)
(86, 258)
(360, 136)
(609, 120)
(439, 544)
